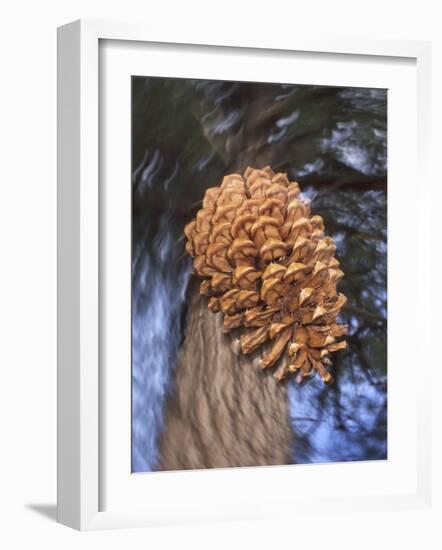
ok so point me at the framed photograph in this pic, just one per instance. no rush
(241, 267)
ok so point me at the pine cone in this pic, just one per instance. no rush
(269, 268)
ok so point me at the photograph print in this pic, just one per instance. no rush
(259, 274)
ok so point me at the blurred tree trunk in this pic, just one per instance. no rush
(223, 410)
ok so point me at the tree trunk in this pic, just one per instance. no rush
(223, 410)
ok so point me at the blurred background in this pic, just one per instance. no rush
(186, 135)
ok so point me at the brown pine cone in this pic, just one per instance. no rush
(269, 268)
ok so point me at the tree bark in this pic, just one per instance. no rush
(223, 410)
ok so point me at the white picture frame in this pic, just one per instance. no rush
(79, 437)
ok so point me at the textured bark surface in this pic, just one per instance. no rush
(223, 411)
